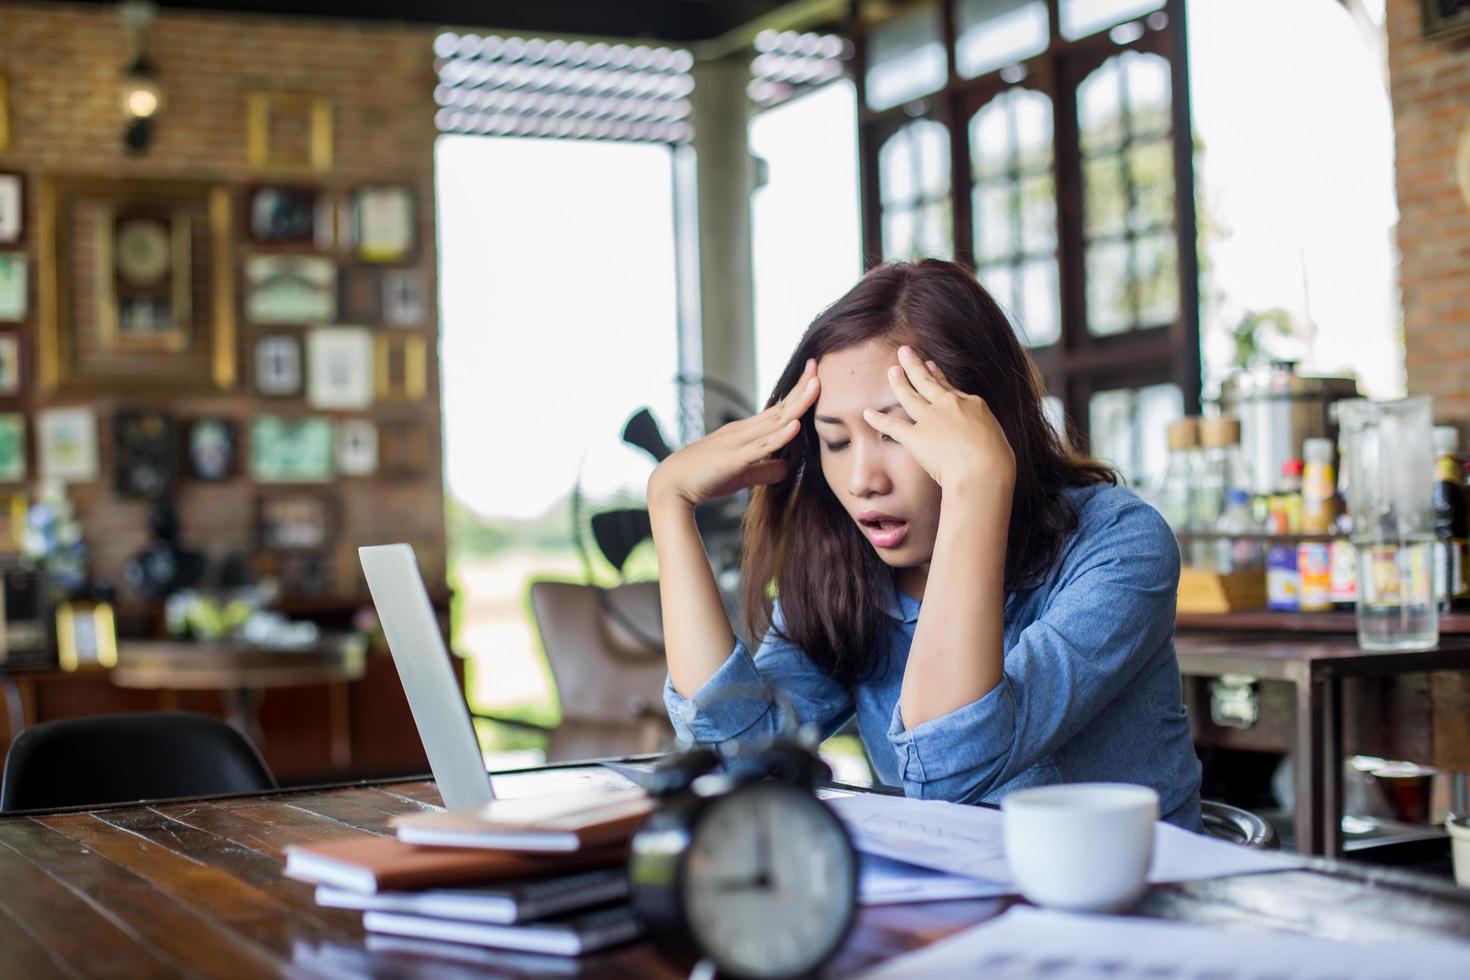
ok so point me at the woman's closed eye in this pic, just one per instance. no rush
(837, 447)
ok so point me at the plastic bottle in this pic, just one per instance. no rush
(1319, 508)
(1451, 525)
(1283, 580)
(1343, 576)
(1238, 553)
(1181, 478)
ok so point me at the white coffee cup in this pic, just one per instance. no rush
(1083, 847)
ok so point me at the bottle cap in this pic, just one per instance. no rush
(1184, 433)
(1237, 498)
(1317, 450)
(1291, 467)
(1446, 440)
(1217, 432)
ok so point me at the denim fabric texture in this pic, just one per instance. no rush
(1091, 690)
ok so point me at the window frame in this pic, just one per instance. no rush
(1078, 364)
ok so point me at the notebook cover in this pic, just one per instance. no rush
(570, 821)
(395, 866)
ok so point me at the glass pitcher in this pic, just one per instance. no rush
(1388, 449)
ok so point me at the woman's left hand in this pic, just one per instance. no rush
(953, 435)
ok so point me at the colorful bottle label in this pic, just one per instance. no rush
(1343, 576)
(1314, 566)
(1283, 580)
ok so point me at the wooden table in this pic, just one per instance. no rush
(1316, 666)
(195, 889)
(240, 671)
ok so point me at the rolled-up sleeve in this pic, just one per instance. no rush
(1111, 615)
(740, 700)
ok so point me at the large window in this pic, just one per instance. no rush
(1052, 153)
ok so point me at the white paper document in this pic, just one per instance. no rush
(885, 882)
(1030, 943)
(968, 840)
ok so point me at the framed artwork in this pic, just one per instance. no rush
(145, 274)
(278, 365)
(1445, 18)
(67, 444)
(290, 289)
(384, 222)
(339, 364)
(143, 452)
(13, 282)
(361, 296)
(357, 448)
(403, 299)
(86, 635)
(284, 450)
(294, 522)
(213, 450)
(12, 447)
(283, 215)
(139, 286)
(288, 132)
(12, 365)
(403, 451)
(402, 367)
(12, 208)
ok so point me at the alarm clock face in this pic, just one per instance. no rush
(769, 882)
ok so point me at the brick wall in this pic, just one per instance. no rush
(1430, 83)
(64, 65)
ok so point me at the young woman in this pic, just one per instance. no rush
(995, 609)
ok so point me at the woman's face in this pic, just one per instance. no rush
(887, 494)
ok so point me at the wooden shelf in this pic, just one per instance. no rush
(1269, 621)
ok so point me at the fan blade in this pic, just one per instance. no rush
(642, 431)
(618, 532)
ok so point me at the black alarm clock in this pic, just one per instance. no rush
(757, 877)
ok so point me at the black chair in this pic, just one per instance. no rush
(121, 758)
(1237, 826)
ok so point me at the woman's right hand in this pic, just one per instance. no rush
(737, 455)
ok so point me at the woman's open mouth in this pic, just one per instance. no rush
(884, 530)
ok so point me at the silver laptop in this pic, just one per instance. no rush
(434, 695)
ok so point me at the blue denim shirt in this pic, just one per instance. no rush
(1091, 689)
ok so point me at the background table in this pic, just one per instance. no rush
(1316, 666)
(195, 888)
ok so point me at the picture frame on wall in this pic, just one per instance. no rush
(402, 367)
(357, 448)
(158, 256)
(293, 522)
(143, 453)
(1444, 19)
(288, 132)
(12, 208)
(404, 303)
(283, 214)
(14, 283)
(213, 449)
(403, 450)
(12, 365)
(290, 289)
(384, 222)
(361, 295)
(339, 364)
(291, 450)
(278, 371)
(86, 635)
(12, 447)
(66, 444)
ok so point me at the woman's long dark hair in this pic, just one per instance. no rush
(798, 538)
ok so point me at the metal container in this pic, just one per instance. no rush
(1278, 409)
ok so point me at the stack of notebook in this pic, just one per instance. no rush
(541, 874)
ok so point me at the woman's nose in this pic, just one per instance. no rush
(868, 478)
